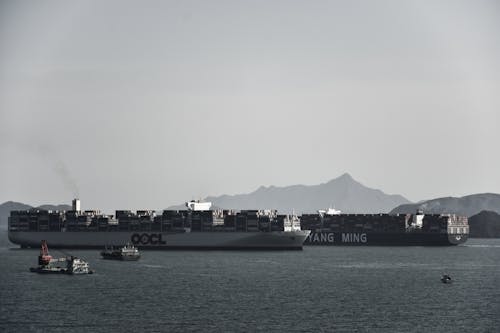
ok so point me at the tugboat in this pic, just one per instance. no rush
(47, 264)
(128, 252)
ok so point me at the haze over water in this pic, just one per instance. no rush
(319, 289)
(143, 105)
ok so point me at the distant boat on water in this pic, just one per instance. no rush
(127, 253)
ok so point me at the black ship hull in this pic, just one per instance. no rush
(384, 239)
(56, 270)
(119, 256)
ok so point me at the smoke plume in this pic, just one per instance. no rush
(68, 181)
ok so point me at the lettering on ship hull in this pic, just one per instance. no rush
(323, 237)
(147, 239)
(330, 238)
(353, 238)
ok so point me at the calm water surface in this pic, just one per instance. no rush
(319, 289)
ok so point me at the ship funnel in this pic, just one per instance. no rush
(76, 204)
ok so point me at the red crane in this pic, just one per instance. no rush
(44, 258)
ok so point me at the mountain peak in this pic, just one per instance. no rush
(344, 179)
(345, 176)
(344, 192)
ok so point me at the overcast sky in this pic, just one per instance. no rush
(145, 104)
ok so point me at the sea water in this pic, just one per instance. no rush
(319, 289)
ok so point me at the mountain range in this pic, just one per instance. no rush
(343, 193)
(468, 205)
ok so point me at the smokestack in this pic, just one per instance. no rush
(76, 204)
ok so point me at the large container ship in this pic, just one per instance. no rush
(331, 227)
(197, 227)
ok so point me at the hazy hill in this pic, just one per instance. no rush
(55, 207)
(485, 225)
(468, 205)
(342, 193)
(6, 207)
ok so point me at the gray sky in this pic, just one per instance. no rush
(144, 104)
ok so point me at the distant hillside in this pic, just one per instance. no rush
(485, 225)
(55, 207)
(177, 207)
(6, 207)
(342, 193)
(468, 205)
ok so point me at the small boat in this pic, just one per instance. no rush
(128, 252)
(47, 264)
(446, 279)
(74, 266)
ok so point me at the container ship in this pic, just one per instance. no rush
(197, 227)
(331, 227)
